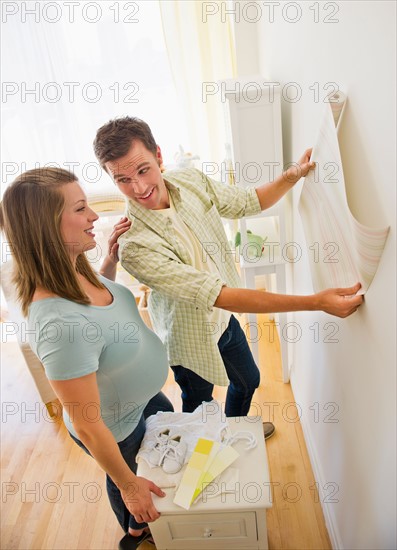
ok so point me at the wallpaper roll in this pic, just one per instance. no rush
(337, 102)
(341, 250)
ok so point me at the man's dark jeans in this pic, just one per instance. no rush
(241, 370)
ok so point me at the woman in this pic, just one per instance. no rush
(105, 365)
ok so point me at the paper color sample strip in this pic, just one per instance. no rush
(208, 460)
(226, 456)
(349, 252)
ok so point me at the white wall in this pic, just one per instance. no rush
(354, 379)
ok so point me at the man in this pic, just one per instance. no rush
(177, 246)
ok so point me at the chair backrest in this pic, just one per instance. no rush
(19, 327)
(9, 291)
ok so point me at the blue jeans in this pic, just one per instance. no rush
(241, 370)
(129, 448)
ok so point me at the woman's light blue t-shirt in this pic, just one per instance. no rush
(73, 340)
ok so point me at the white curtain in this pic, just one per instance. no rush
(201, 52)
(64, 78)
(82, 74)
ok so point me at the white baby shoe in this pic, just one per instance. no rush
(157, 453)
(174, 455)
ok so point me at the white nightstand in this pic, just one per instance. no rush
(234, 520)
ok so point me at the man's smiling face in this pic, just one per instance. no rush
(137, 174)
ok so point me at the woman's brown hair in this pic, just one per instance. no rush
(30, 215)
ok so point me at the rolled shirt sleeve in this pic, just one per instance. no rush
(232, 202)
(172, 278)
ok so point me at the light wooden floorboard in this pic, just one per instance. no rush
(54, 496)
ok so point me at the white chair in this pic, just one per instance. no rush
(15, 316)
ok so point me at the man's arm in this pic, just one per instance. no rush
(336, 301)
(205, 290)
(271, 192)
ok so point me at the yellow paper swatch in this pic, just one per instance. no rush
(208, 460)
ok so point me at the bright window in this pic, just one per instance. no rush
(69, 67)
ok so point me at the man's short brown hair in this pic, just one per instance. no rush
(113, 140)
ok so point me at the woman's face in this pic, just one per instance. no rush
(77, 222)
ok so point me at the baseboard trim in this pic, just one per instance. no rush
(321, 481)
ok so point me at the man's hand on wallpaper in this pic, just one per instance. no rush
(301, 168)
(341, 302)
(271, 192)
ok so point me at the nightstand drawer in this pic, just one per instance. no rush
(211, 531)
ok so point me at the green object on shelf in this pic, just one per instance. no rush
(254, 242)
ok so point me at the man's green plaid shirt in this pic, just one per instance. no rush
(182, 296)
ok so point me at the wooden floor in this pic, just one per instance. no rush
(53, 495)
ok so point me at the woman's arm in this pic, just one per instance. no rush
(109, 264)
(79, 396)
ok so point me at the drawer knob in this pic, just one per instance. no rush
(207, 533)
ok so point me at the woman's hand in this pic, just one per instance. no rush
(113, 246)
(76, 395)
(138, 499)
(300, 169)
(109, 264)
